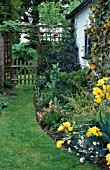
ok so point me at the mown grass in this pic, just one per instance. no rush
(25, 146)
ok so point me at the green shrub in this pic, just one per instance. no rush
(54, 115)
(3, 102)
(24, 51)
(65, 53)
(53, 83)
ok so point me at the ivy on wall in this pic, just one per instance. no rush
(99, 32)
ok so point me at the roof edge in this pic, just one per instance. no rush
(77, 9)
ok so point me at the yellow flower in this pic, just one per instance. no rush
(59, 143)
(100, 95)
(104, 87)
(61, 128)
(65, 126)
(93, 131)
(88, 134)
(92, 29)
(92, 67)
(108, 88)
(70, 128)
(108, 96)
(100, 82)
(108, 159)
(97, 91)
(93, 8)
(105, 78)
(105, 25)
(98, 100)
(98, 37)
(95, 44)
(109, 23)
(108, 146)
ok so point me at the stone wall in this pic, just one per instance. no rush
(1, 61)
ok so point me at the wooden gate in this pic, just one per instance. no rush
(23, 72)
(17, 71)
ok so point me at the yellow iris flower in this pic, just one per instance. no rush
(93, 131)
(59, 143)
(105, 78)
(65, 126)
(97, 91)
(98, 100)
(108, 159)
(100, 82)
(108, 146)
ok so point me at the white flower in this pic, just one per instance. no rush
(79, 141)
(75, 147)
(94, 143)
(68, 142)
(82, 137)
(69, 150)
(82, 159)
(81, 145)
(84, 151)
(98, 143)
(92, 148)
(50, 104)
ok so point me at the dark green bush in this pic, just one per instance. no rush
(3, 102)
(65, 53)
(58, 84)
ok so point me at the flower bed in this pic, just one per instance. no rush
(75, 119)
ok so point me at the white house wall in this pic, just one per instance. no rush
(81, 23)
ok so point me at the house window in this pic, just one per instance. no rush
(87, 45)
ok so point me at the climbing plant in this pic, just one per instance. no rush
(99, 32)
(10, 26)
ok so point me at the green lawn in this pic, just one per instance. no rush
(25, 146)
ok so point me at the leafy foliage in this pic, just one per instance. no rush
(3, 102)
(23, 51)
(54, 83)
(10, 26)
(53, 13)
(10, 10)
(99, 32)
(50, 13)
(65, 53)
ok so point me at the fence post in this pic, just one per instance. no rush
(38, 52)
(11, 69)
(1, 61)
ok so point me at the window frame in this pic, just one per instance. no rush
(87, 46)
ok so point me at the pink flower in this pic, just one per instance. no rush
(56, 33)
(39, 35)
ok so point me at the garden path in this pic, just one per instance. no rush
(25, 146)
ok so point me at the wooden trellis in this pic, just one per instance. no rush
(26, 72)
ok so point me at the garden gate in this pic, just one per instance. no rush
(21, 71)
